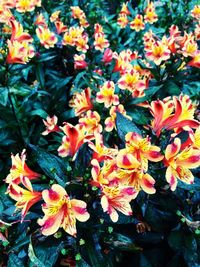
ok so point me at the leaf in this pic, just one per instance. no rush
(46, 56)
(190, 187)
(82, 263)
(83, 159)
(125, 126)
(14, 261)
(53, 166)
(122, 242)
(33, 257)
(39, 112)
(3, 96)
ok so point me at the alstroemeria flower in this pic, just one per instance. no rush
(74, 137)
(123, 60)
(122, 20)
(190, 48)
(82, 102)
(131, 81)
(91, 122)
(137, 24)
(180, 162)
(195, 62)
(27, 5)
(18, 33)
(107, 56)
(117, 198)
(40, 20)
(124, 9)
(61, 212)
(81, 43)
(100, 151)
(71, 35)
(25, 198)
(195, 13)
(19, 52)
(142, 149)
(20, 169)
(100, 42)
(169, 114)
(79, 62)
(106, 94)
(150, 14)
(47, 38)
(60, 27)
(78, 13)
(51, 125)
(158, 52)
(55, 16)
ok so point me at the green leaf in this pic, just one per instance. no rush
(189, 187)
(122, 242)
(39, 112)
(82, 263)
(125, 126)
(83, 159)
(53, 166)
(14, 261)
(3, 96)
(33, 257)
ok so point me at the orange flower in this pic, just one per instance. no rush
(110, 121)
(170, 114)
(124, 9)
(27, 5)
(71, 35)
(195, 13)
(131, 81)
(40, 20)
(91, 121)
(117, 198)
(81, 102)
(100, 42)
(106, 95)
(60, 27)
(158, 52)
(195, 62)
(190, 48)
(123, 60)
(122, 20)
(100, 151)
(150, 14)
(55, 16)
(19, 169)
(81, 43)
(19, 52)
(79, 62)
(137, 24)
(74, 137)
(51, 125)
(61, 212)
(18, 33)
(179, 162)
(46, 37)
(142, 149)
(25, 198)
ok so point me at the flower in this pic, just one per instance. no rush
(81, 43)
(18, 33)
(107, 56)
(124, 9)
(100, 42)
(122, 20)
(150, 14)
(90, 122)
(81, 102)
(26, 5)
(71, 36)
(25, 198)
(137, 24)
(79, 62)
(195, 13)
(180, 162)
(60, 27)
(51, 125)
(158, 52)
(61, 212)
(47, 38)
(20, 169)
(74, 137)
(172, 113)
(195, 62)
(106, 94)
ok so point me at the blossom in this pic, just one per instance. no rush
(150, 14)
(106, 94)
(180, 162)
(116, 198)
(47, 38)
(123, 60)
(25, 198)
(61, 212)
(18, 33)
(137, 24)
(195, 13)
(79, 62)
(60, 27)
(74, 137)
(158, 52)
(100, 42)
(107, 56)
(40, 20)
(19, 52)
(81, 102)
(131, 81)
(172, 113)
(91, 121)
(81, 43)
(122, 20)
(55, 16)
(71, 35)
(78, 13)
(27, 5)
(51, 125)
(124, 9)
(189, 48)
(195, 62)
(20, 169)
